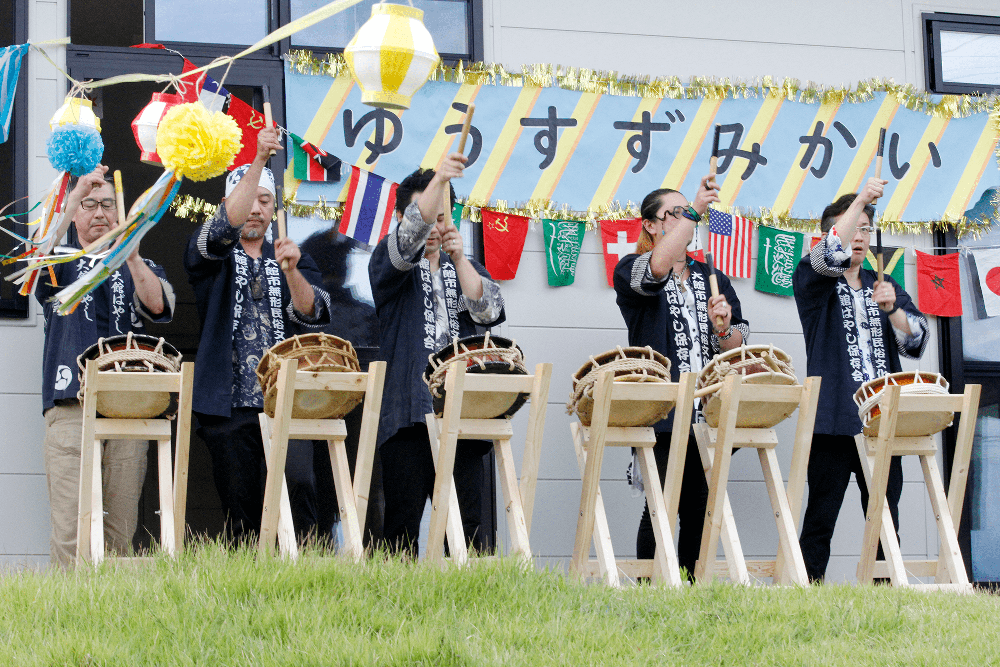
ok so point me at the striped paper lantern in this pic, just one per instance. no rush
(77, 111)
(144, 125)
(391, 56)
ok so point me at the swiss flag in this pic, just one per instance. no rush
(618, 238)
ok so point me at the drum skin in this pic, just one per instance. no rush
(482, 354)
(132, 353)
(927, 422)
(316, 353)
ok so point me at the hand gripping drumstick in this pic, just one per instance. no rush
(878, 230)
(713, 283)
(446, 199)
(282, 232)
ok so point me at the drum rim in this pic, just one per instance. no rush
(169, 350)
(725, 356)
(435, 357)
(598, 360)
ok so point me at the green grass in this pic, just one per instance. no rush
(213, 607)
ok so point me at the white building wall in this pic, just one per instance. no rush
(836, 44)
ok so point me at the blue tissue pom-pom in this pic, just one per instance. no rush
(75, 148)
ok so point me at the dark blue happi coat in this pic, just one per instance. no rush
(400, 288)
(214, 283)
(109, 310)
(828, 341)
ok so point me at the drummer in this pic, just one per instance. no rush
(423, 299)
(664, 297)
(855, 329)
(139, 288)
(248, 301)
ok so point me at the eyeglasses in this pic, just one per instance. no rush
(677, 212)
(865, 230)
(91, 204)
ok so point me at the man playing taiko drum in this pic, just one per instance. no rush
(855, 329)
(139, 288)
(248, 300)
(664, 297)
(423, 299)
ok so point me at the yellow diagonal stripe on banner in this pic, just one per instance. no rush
(622, 160)
(869, 146)
(568, 141)
(981, 156)
(695, 137)
(918, 163)
(796, 175)
(758, 132)
(442, 142)
(500, 154)
(328, 110)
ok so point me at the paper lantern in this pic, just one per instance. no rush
(78, 111)
(391, 56)
(146, 123)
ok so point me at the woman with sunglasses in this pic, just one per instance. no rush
(665, 299)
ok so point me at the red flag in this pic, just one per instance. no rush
(251, 122)
(618, 238)
(190, 86)
(503, 241)
(938, 286)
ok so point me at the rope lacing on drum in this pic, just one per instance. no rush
(625, 368)
(460, 352)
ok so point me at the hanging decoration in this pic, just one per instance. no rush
(76, 149)
(391, 56)
(75, 111)
(145, 125)
(194, 143)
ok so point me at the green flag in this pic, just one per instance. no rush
(563, 239)
(456, 213)
(895, 265)
(778, 252)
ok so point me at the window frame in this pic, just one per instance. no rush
(933, 24)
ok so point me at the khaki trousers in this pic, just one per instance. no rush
(123, 471)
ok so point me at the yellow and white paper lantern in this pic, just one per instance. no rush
(391, 56)
(77, 111)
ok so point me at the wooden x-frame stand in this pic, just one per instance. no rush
(876, 453)
(445, 431)
(173, 475)
(590, 443)
(352, 496)
(716, 447)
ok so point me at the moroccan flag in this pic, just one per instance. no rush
(729, 238)
(618, 239)
(778, 253)
(10, 67)
(563, 239)
(938, 286)
(312, 163)
(251, 122)
(894, 264)
(503, 241)
(984, 270)
(368, 211)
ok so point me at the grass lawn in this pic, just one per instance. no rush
(213, 607)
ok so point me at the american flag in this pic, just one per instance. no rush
(729, 239)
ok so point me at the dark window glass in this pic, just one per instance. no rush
(962, 53)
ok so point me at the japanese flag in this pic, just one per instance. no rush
(618, 239)
(984, 269)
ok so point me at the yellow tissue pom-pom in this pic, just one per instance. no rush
(196, 144)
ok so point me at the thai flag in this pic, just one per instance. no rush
(729, 239)
(368, 211)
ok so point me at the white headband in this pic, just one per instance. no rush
(266, 179)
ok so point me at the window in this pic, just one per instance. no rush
(961, 53)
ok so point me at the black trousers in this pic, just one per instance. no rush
(691, 510)
(831, 461)
(408, 481)
(240, 472)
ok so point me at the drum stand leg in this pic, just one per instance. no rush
(602, 540)
(445, 514)
(91, 509)
(287, 546)
(182, 454)
(276, 459)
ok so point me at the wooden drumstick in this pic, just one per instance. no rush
(282, 231)
(878, 231)
(268, 122)
(713, 283)
(465, 128)
(714, 160)
(119, 195)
